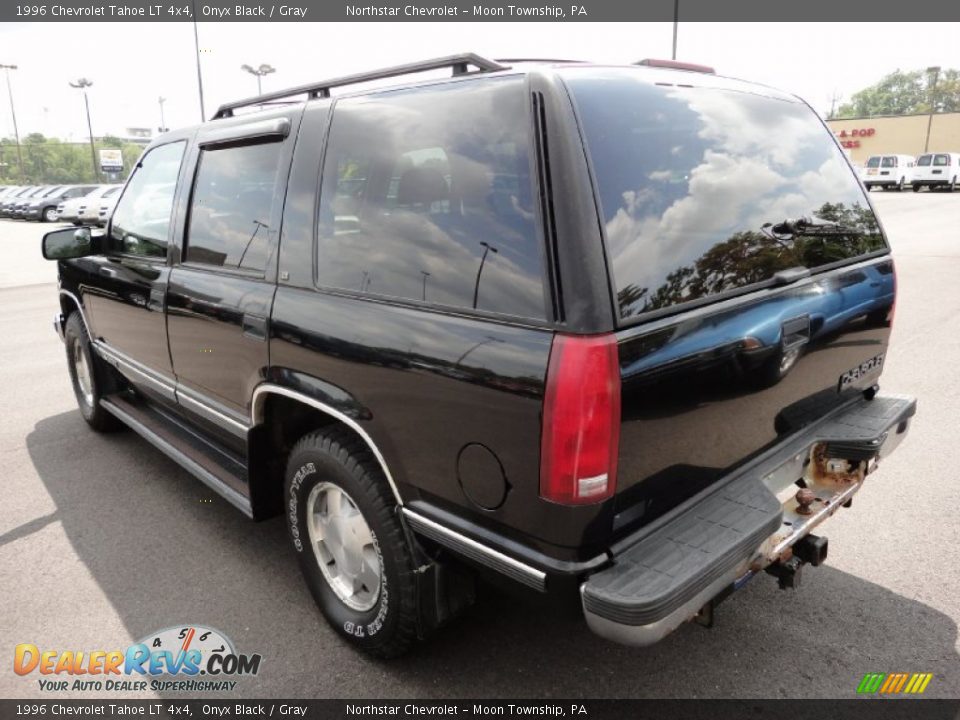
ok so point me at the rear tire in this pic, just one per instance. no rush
(953, 185)
(916, 188)
(901, 184)
(90, 376)
(352, 549)
(49, 214)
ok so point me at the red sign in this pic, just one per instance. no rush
(845, 136)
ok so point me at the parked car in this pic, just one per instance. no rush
(7, 204)
(44, 208)
(937, 170)
(19, 208)
(890, 172)
(95, 209)
(500, 338)
(106, 210)
(71, 210)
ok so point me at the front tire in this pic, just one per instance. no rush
(91, 379)
(916, 188)
(900, 184)
(352, 549)
(49, 214)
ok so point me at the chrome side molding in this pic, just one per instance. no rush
(128, 366)
(468, 547)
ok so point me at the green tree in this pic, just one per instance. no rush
(905, 93)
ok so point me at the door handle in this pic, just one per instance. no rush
(255, 326)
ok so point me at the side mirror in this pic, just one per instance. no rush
(70, 243)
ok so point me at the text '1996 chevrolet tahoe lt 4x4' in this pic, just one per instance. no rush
(612, 333)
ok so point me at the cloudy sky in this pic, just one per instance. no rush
(132, 64)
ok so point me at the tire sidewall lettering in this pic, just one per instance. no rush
(305, 471)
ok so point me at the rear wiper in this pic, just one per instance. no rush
(809, 226)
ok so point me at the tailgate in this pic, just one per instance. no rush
(706, 391)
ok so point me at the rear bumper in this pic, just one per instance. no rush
(663, 575)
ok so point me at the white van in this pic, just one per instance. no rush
(888, 171)
(937, 170)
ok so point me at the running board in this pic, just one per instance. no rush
(222, 474)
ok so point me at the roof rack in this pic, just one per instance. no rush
(459, 63)
(537, 60)
(677, 65)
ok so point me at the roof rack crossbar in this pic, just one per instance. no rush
(460, 65)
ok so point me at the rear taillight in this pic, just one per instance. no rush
(581, 420)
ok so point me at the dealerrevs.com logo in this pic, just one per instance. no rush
(187, 658)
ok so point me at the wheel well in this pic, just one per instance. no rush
(67, 305)
(285, 420)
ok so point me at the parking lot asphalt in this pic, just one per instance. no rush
(103, 540)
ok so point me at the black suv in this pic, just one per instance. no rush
(612, 333)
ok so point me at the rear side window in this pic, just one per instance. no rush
(874, 162)
(426, 196)
(941, 160)
(231, 206)
(141, 221)
(701, 188)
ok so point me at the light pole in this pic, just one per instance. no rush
(259, 72)
(934, 73)
(82, 84)
(425, 276)
(676, 22)
(487, 247)
(163, 123)
(13, 112)
(196, 50)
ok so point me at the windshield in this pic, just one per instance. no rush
(698, 187)
(873, 162)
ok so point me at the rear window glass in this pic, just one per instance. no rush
(941, 160)
(706, 190)
(924, 160)
(889, 162)
(873, 162)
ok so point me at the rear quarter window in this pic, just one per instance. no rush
(427, 196)
(695, 185)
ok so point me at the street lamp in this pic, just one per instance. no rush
(163, 123)
(16, 132)
(676, 22)
(934, 74)
(259, 72)
(425, 276)
(82, 84)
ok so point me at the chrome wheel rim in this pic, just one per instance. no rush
(344, 546)
(50, 214)
(82, 368)
(788, 359)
